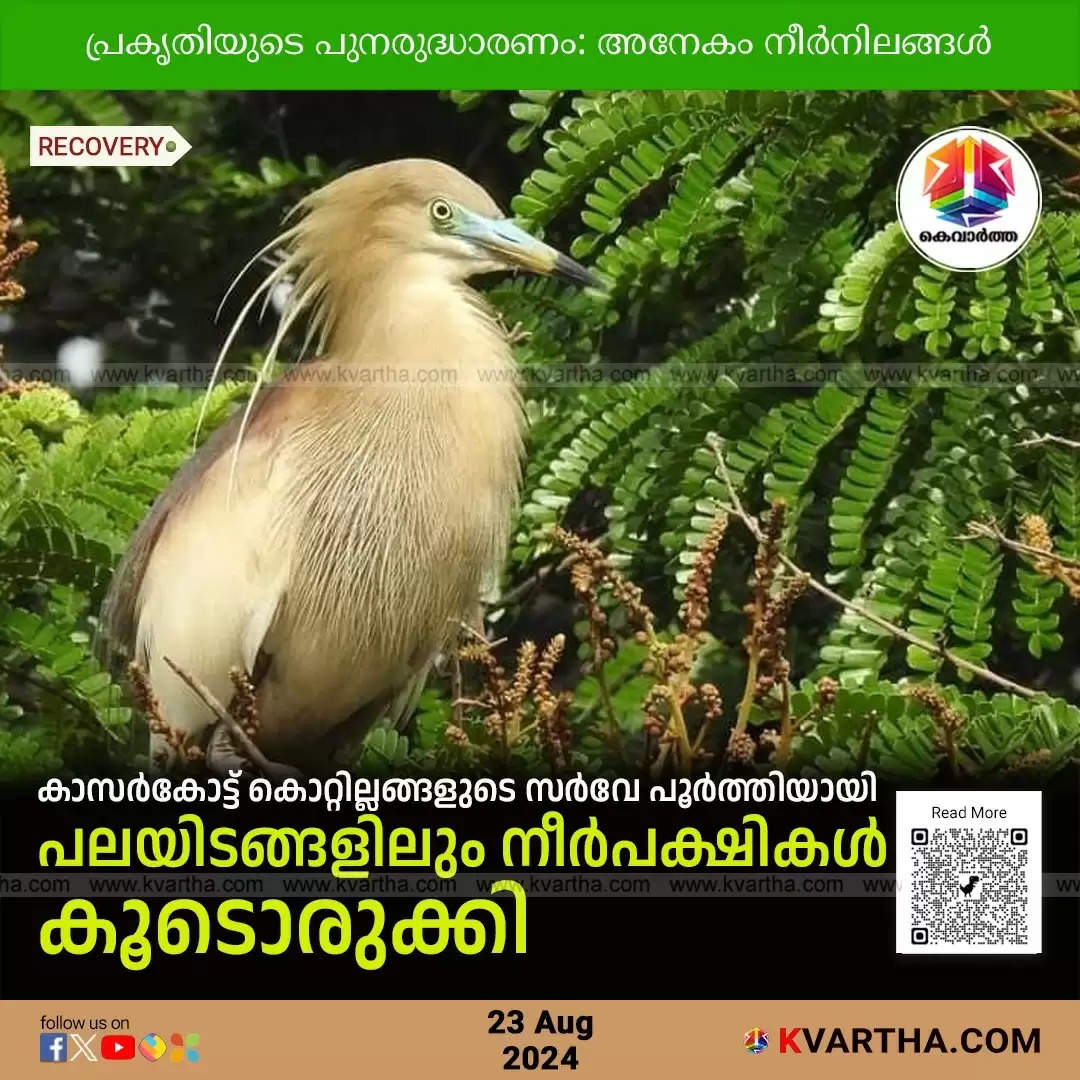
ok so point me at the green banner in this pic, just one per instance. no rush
(495, 45)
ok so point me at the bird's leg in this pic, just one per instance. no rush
(244, 748)
(223, 755)
(457, 691)
(514, 333)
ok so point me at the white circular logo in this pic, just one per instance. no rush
(968, 199)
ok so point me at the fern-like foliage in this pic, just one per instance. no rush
(878, 724)
(759, 287)
(73, 486)
(21, 108)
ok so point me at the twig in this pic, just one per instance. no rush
(471, 702)
(28, 675)
(1042, 440)
(980, 529)
(523, 588)
(1068, 99)
(863, 755)
(253, 753)
(605, 697)
(746, 703)
(1063, 192)
(787, 728)
(457, 688)
(863, 613)
(1046, 136)
(477, 636)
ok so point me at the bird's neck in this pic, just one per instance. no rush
(410, 315)
(404, 491)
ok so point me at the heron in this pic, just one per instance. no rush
(333, 535)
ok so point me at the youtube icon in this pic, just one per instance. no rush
(118, 1047)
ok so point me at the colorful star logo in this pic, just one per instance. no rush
(968, 181)
(756, 1040)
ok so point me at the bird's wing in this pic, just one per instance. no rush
(114, 641)
(403, 704)
(397, 706)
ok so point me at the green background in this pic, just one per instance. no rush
(43, 45)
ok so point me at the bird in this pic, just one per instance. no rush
(332, 536)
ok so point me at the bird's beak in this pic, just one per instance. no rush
(515, 246)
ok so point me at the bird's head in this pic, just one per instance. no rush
(417, 208)
(471, 233)
(380, 230)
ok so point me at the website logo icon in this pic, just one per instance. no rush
(117, 1047)
(152, 1047)
(83, 1047)
(968, 199)
(53, 1047)
(756, 1041)
(968, 181)
(185, 1047)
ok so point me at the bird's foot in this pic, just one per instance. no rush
(516, 333)
(223, 756)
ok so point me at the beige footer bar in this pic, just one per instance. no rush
(507, 1037)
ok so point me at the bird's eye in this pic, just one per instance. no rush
(440, 211)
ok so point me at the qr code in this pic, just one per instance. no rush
(969, 872)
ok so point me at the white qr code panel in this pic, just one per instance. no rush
(968, 872)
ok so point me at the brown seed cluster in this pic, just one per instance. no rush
(243, 707)
(149, 705)
(457, 736)
(1036, 534)
(1033, 761)
(826, 691)
(586, 584)
(14, 387)
(948, 721)
(711, 701)
(769, 614)
(523, 675)
(509, 702)
(553, 728)
(600, 571)
(671, 662)
(695, 608)
(741, 747)
(945, 716)
(10, 289)
(495, 695)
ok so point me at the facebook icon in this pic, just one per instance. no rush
(53, 1047)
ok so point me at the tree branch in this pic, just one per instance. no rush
(523, 588)
(980, 529)
(29, 675)
(933, 647)
(1046, 136)
(1042, 440)
(243, 740)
